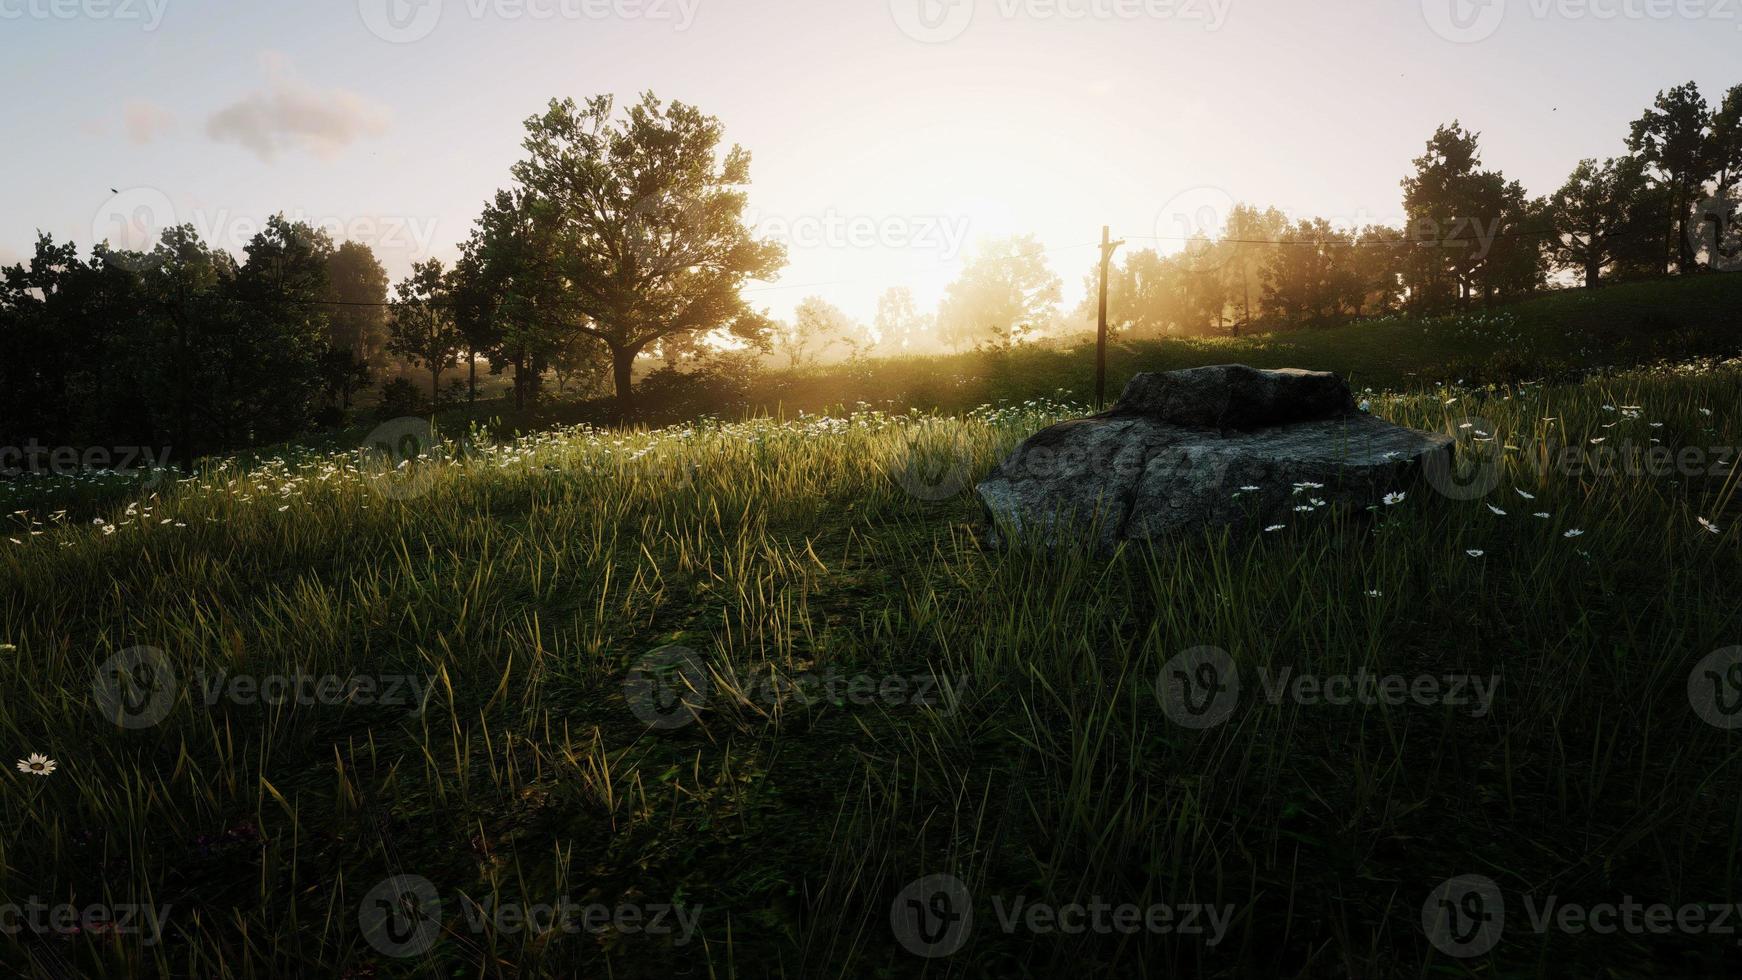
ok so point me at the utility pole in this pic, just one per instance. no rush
(1107, 248)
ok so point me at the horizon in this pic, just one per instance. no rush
(874, 179)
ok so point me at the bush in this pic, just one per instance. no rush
(400, 397)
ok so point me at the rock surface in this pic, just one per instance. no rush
(1176, 450)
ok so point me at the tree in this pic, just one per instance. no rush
(1725, 154)
(508, 293)
(422, 322)
(263, 374)
(1378, 269)
(1005, 292)
(1597, 213)
(900, 325)
(1310, 278)
(816, 326)
(1471, 231)
(1673, 138)
(356, 319)
(1249, 231)
(644, 231)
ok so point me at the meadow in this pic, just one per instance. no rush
(488, 639)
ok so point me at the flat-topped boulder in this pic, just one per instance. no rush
(1234, 396)
(1201, 448)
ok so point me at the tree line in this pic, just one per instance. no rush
(1469, 236)
(621, 235)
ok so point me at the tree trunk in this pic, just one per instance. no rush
(623, 375)
(1593, 273)
(471, 377)
(435, 387)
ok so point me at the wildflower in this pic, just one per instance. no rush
(1708, 525)
(1374, 593)
(1542, 514)
(37, 765)
(1598, 440)
(1521, 493)
(1497, 511)
(1394, 498)
(1274, 527)
(1248, 489)
(1572, 533)
(1474, 552)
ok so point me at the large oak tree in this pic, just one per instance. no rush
(646, 239)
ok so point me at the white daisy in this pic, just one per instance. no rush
(1374, 593)
(1708, 525)
(1542, 514)
(1474, 552)
(1497, 511)
(1521, 493)
(1394, 498)
(1274, 527)
(1572, 533)
(37, 765)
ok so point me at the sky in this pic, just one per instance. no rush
(887, 136)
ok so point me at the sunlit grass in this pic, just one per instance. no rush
(519, 582)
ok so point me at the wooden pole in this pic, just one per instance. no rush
(1107, 248)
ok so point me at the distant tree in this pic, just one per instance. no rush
(1378, 261)
(357, 291)
(1249, 232)
(422, 322)
(816, 326)
(1673, 137)
(645, 233)
(510, 301)
(356, 320)
(1471, 231)
(1725, 153)
(264, 376)
(1005, 293)
(900, 325)
(1597, 213)
(1311, 278)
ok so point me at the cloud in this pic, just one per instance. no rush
(145, 121)
(289, 114)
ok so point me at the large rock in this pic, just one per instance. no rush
(1178, 450)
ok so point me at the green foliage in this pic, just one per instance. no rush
(523, 580)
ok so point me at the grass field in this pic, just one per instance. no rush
(870, 697)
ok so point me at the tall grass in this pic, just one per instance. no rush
(519, 584)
